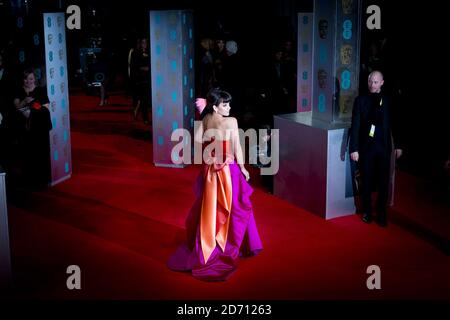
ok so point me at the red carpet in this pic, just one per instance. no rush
(119, 218)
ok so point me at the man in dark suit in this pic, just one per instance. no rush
(373, 138)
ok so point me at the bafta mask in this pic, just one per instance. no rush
(322, 77)
(346, 54)
(345, 103)
(347, 6)
(323, 28)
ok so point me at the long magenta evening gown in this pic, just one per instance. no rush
(220, 225)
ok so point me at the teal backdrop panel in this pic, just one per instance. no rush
(172, 80)
(304, 61)
(58, 94)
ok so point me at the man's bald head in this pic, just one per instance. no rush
(375, 81)
(377, 74)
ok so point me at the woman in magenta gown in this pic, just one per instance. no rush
(220, 226)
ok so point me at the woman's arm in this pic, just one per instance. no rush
(18, 103)
(236, 143)
(354, 130)
(42, 97)
(22, 103)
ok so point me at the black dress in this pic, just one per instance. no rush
(141, 80)
(34, 124)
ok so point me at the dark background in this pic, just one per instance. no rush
(414, 50)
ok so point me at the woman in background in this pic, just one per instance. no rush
(33, 125)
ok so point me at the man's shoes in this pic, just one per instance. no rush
(366, 218)
(382, 218)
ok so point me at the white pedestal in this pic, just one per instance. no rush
(5, 258)
(314, 169)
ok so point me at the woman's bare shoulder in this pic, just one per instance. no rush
(231, 122)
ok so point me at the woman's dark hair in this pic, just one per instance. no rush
(214, 98)
(27, 72)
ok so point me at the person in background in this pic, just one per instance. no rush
(33, 125)
(374, 135)
(140, 69)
